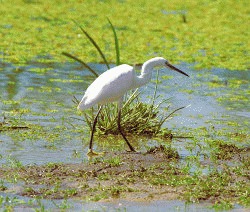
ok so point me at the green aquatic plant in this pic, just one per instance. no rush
(175, 30)
(8, 203)
(224, 150)
(167, 151)
(114, 161)
(80, 61)
(137, 118)
(12, 123)
(2, 186)
(95, 44)
(117, 49)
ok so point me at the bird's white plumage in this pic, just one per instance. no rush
(108, 87)
(115, 82)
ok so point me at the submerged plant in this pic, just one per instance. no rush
(137, 117)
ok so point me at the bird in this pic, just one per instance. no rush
(112, 85)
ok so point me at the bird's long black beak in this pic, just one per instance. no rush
(176, 69)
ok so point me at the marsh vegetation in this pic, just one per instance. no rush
(201, 155)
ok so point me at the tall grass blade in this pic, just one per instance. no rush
(80, 61)
(88, 120)
(94, 43)
(132, 97)
(75, 100)
(156, 87)
(165, 118)
(117, 49)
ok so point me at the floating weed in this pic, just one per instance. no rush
(227, 151)
(222, 205)
(13, 162)
(223, 150)
(40, 70)
(114, 161)
(67, 80)
(2, 186)
(185, 34)
(14, 118)
(186, 91)
(58, 193)
(46, 89)
(218, 187)
(117, 190)
(63, 205)
(29, 191)
(99, 196)
(169, 152)
(111, 177)
(104, 176)
(8, 203)
(106, 192)
(233, 83)
(13, 103)
(40, 205)
(216, 84)
(171, 176)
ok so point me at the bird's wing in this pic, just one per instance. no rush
(109, 86)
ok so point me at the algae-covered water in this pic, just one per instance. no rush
(41, 96)
(45, 127)
(209, 33)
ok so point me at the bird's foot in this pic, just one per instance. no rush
(91, 153)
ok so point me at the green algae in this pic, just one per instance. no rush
(207, 33)
(211, 148)
(132, 176)
(120, 175)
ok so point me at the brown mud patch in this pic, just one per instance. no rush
(153, 175)
(126, 175)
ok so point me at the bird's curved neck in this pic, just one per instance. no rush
(145, 76)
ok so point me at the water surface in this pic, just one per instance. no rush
(41, 95)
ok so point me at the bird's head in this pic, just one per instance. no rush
(160, 61)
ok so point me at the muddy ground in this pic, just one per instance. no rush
(153, 175)
(123, 175)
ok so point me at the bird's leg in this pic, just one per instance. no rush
(93, 130)
(120, 130)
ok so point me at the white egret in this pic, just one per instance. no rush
(111, 86)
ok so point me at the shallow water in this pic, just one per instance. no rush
(41, 94)
(171, 205)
